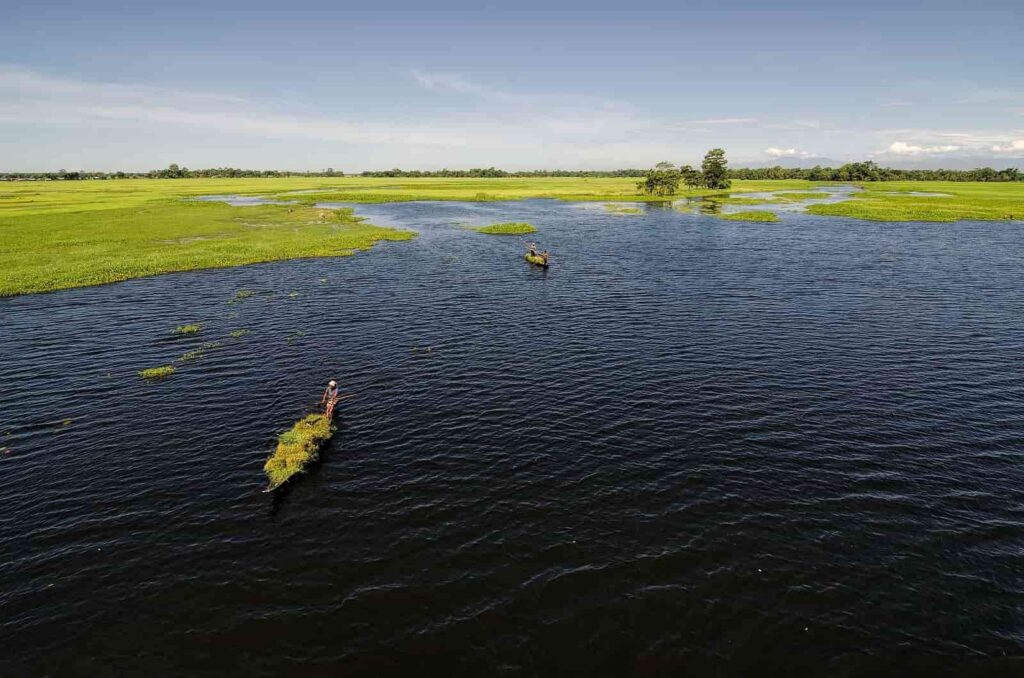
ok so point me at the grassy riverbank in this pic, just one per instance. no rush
(53, 250)
(895, 201)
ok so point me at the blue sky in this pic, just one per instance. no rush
(307, 85)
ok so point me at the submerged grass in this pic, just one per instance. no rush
(197, 353)
(297, 448)
(507, 228)
(187, 329)
(750, 215)
(894, 201)
(622, 209)
(157, 372)
(241, 332)
(797, 196)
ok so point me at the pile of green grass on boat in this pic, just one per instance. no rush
(157, 372)
(297, 448)
(750, 215)
(507, 228)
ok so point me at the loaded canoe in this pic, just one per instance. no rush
(537, 260)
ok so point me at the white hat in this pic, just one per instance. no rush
(332, 383)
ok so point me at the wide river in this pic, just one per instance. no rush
(692, 445)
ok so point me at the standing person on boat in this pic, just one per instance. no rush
(330, 398)
(545, 255)
(532, 248)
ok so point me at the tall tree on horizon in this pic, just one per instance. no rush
(715, 169)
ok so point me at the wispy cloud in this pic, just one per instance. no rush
(724, 121)
(1015, 146)
(454, 82)
(785, 152)
(904, 148)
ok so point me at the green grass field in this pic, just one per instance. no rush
(750, 215)
(62, 234)
(893, 201)
(507, 228)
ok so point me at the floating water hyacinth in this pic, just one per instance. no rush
(297, 448)
(157, 372)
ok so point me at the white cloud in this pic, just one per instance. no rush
(724, 121)
(903, 148)
(785, 152)
(1015, 145)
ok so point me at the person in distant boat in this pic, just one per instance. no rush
(330, 398)
(544, 255)
(532, 248)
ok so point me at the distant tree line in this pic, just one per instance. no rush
(170, 172)
(869, 171)
(692, 178)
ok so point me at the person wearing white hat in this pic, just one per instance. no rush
(330, 398)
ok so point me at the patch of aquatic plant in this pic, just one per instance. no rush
(750, 215)
(797, 196)
(241, 332)
(621, 209)
(297, 448)
(197, 353)
(243, 294)
(187, 329)
(292, 295)
(741, 200)
(507, 228)
(157, 372)
(298, 334)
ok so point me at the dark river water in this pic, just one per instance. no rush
(691, 447)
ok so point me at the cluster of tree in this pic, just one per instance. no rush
(869, 171)
(665, 178)
(475, 173)
(170, 172)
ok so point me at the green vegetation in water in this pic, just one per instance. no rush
(197, 353)
(297, 334)
(797, 196)
(187, 329)
(243, 294)
(297, 448)
(621, 209)
(292, 295)
(750, 215)
(63, 242)
(241, 332)
(893, 201)
(157, 372)
(740, 200)
(507, 228)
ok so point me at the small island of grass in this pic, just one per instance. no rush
(507, 228)
(157, 372)
(297, 448)
(187, 329)
(797, 196)
(751, 215)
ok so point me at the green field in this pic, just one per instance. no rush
(62, 234)
(892, 201)
(507, 228)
